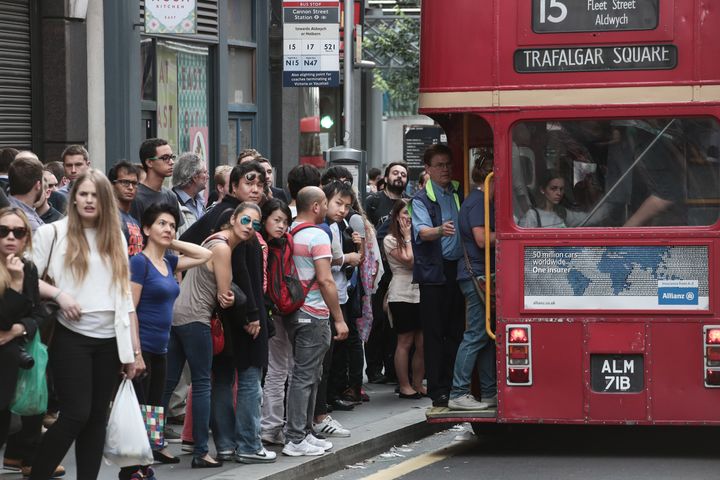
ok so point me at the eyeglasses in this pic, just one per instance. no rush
(18, 232)
(165, 158)
(126, 183)
(246, 220)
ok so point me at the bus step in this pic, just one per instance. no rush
(445, 414)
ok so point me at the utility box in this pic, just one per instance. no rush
(355, 161)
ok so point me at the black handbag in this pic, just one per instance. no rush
(51, 307)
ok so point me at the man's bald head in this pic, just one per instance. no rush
(307, 197)
(26, 154)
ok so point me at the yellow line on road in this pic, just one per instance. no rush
(420, 461)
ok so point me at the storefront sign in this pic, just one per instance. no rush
(311, 44)
(616, 278)
(564, 16)
(192, 96)
(589, 59)
(170, 16)
(167, 95)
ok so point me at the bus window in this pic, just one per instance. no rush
(616, 173)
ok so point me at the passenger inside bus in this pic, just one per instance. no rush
(548, 212)
(617, 173)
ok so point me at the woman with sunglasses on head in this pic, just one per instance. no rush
(96, 331)
(154, 289)
(204, 289)
(20, 315)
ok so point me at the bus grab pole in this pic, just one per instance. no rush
(488, 283)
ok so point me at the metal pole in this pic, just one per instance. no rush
(348, 64)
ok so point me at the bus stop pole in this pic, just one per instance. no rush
(349, 40)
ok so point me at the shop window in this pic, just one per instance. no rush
(241, 78)
(240, 20)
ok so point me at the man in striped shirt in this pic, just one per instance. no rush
(309, 328)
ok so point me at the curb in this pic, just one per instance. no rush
(336, 460)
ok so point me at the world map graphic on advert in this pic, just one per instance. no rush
(617, 278)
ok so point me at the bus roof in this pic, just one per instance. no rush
(505, 53)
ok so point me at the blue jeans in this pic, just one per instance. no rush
(192, 342)
(236, 428)
(476, 346)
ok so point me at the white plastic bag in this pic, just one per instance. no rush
(126, 441)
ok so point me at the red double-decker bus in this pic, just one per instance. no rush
(607, 292)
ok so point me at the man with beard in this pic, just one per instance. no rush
(25, 177)
(380, 347)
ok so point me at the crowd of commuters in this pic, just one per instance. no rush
(188, 294)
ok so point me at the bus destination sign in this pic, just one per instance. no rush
(566, 16)
(591, 59)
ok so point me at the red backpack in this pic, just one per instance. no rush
(284, 289)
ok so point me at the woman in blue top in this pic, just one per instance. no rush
(476, 346)
(154, 289)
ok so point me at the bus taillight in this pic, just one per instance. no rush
(519, 355)
(712, 335)
(518, 334)
(711, 343)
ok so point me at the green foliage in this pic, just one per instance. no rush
(394, 45)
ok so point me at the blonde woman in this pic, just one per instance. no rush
(20, 314)
(96, 331)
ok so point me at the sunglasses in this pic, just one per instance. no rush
(246, 220)
(165, 158)
(250, 177)
(18, 232)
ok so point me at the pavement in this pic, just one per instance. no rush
(375, 426)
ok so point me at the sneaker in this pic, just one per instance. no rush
(188, 447)
(302, 449)
(270, 438)
(263, 456)
(466, 402)
(491, 401)
(330, 428)
(318, 442)
(148, 473)
(226, 455)
(171, 436)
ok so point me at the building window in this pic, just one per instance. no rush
(241, 82)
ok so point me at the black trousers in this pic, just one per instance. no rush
(442, 315)
(24, 444)
(86, 371)
(347, 360)
(380, 347)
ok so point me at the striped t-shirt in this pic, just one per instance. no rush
(311, 244)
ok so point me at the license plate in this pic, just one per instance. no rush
(617, 373)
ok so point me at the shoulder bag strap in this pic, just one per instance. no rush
(44, 276)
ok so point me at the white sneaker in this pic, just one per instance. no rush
(263, 456)
(270, 438)
(330, 427)
(318, 442)
(302, 449)
(466, 402)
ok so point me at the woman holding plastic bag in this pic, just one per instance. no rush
(96, 331)
(20, 313)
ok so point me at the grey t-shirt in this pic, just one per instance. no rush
(146, 196)
(198, 295)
